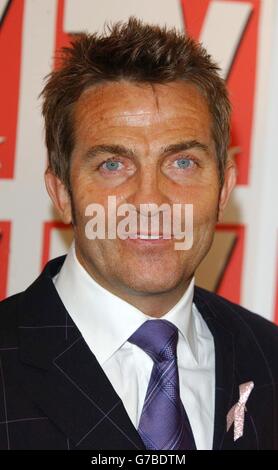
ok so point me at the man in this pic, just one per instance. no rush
(113, 347)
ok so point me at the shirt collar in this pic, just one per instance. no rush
(105, 320)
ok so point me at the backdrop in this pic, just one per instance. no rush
(242, 36)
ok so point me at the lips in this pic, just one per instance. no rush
(150, 236)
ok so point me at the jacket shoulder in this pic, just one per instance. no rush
(249, 324)
(8, 309)
(9, 321)
(254, 320)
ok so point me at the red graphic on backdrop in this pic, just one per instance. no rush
(46, 242)
(10, 53)
(230, 280)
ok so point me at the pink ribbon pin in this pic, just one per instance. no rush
(236, 413)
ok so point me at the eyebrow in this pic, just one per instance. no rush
(121, 150)
(118, 150)
(185, 145)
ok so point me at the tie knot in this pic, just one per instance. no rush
(158, 338)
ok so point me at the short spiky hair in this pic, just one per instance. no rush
(136, 52)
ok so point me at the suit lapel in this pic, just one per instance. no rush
(63, 377)
(239, 359)
(225, 379)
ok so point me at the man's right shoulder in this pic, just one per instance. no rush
(9, 323)
(12, 307)
(8, 312)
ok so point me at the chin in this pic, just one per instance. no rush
(152, 284)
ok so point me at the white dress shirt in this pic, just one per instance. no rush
(106, 322)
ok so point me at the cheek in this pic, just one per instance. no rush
(205, 206)
(85, 192)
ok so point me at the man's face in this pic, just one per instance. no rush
(150, 127)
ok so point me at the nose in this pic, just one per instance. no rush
(149, 199)
(149, 189)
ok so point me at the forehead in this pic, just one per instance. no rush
(141, 107)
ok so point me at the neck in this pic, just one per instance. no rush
(154, 304)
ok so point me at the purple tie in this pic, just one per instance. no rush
(163, 424)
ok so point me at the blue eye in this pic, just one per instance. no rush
(184, 163)
(111, 165)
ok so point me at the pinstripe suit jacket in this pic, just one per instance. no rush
(55, 395)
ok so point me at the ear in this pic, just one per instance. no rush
(230, 176)
(59, 196)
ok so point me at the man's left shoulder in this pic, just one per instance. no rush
(264, 331)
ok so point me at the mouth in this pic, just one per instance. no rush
(148, 239)
(150, 236)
